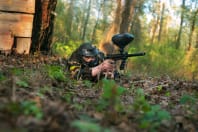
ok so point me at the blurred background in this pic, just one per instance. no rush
(166, 30)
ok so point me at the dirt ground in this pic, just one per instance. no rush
(32, 99)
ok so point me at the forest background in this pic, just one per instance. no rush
(37, 94)
(166, 30)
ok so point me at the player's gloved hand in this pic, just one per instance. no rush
(105, 67)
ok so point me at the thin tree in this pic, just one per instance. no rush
(161, 22)
(156, 21)
(105, 44)
(192, 30)
(69, 16)
(97, 21)
(196, 42)
(86, 21)
(178, 43)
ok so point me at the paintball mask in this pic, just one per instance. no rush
(88, 50)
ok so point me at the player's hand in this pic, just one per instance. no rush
(107, 65)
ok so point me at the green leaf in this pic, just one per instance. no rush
(22, 84)
(121, 90)
(188, 99)
(30, 108)
(84, 126)
(163, 115)
(56, 72)
(17, 71)
(2, 77)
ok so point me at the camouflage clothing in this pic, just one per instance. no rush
(80, 69)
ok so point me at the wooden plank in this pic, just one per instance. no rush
(23, 45)
(26, 6)
(6, 41)
(19, 24)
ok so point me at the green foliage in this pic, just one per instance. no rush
(102, 104)
(2, 76)
(140, 103)
(22, 83)
(65, 49)
(189, 103)
(111, 95)
(88, 83)
(160, 59)
(68, 97)
(45, 89)
(153, 119)
(111, 90)
(86, 126)
(193, 65)
(12, 108)
(17, 71)
(30, 108)
(151, 116)
(188, 99)
(56, 72)
(167, 94)
(78, 107)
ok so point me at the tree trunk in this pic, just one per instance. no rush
(192, 29)
(105, 45)
(156, 21)
(161, 22)
(97, 22)
(43, 25)
(127, 15)
(181, 26)
(69, 21)
(155, 26)
(86, 21)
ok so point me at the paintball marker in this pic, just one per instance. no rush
(122, 40)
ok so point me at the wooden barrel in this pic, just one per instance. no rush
(16, 23)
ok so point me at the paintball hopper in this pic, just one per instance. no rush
(121, 40)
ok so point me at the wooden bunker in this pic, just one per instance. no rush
(16, 24)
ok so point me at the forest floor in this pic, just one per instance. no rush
(36, 94)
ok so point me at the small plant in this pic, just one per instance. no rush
(30, 108)
(87, 126)
(159, 88)
(17, 71)
(167, 94)
(56, 72)
(45, 89)
(78, 107)
(189, 102)
(153, 119)
(188, 99)
(111, 89)
(13, 108)
(67, 97)
(88, 83)
(26, 107)
(111, 94)
(22, 83)
(2, 77)
(140, 103)
(151, 116)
